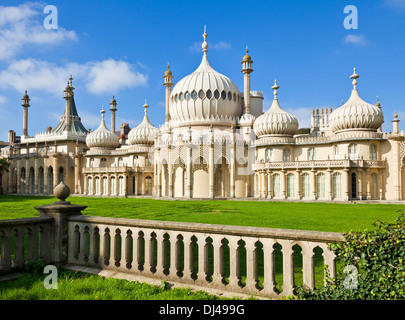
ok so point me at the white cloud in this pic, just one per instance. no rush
(355, 39)
(222, 45)
(22, 26)
(3, 100)
(98, 77)
(398, 4)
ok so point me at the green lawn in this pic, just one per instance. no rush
(288, 215)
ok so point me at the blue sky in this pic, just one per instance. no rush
(123, 47)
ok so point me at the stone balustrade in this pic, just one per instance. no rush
(22, 240)
(198, 254)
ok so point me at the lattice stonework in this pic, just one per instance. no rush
(401, 153)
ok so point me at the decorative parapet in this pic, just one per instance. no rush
(321, 164)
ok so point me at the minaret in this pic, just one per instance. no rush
(68, 97)
(246, 69)
(26, 104)
(395, 127)
(168, 83)
(113, 109)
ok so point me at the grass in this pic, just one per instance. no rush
(335, 217)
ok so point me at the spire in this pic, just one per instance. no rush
(354, 76)
(377, 103)
(146, 106)
(102, 113)
(275, 88)
(205, 43)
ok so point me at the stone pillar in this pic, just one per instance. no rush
(211, 170)
(346, 184)
(313, 184)
(77, 168)
(283, 184)
(170, 172)
(381, 184)
(60, 211)
(329, 182)
(189, 192)
(46, 178)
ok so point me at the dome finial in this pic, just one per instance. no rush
(205, 43)
(354, 76)
(275, 87)
(146, 106)
(102, 112)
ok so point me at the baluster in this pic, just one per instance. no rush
(32, 242)
(125, 250)
(6, 249)
(189, 242)
(203, 273)
(269, 283)
(330, 260)
(136, 250)
(149, 267)
(104, 247)
(288, 267)
(308, 265)
(44, 240)
(218, 275)
(71, 242)
(19, 259)
(234, 263)
(174, 271)
(114, 247)
(94, 245)
(77, 253)
(84, 245)
(251, 264)
(161, 238)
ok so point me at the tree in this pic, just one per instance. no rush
(4, 164)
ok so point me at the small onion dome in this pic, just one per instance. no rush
(275, 121)
(247, 58)
(145, 133)
(168, 72)
(102, 137)
(356, 114)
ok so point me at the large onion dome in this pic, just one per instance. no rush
(102, 137)
(144, 133)
(275, 121)
(356, 114)
(205, 96)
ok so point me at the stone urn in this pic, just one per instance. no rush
(61, 191)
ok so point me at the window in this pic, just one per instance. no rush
(97, 185)
(91, 163)
(276, 185)
(337, 186)
(89, 185)
(187, 95)
(136, 161)
(373, 152)
(105, 185)
(120, 162)
(194, 95)
(223, 95)
(201, 94)
(121, 185)
(305, 185)
(234, 97)
(103, 162)
(290, 185)
(229, 96)
(353, 155)
(113, 186)
(209, 94)
(176, 97)
(269, 154)
(181, 96)
(148, 161)
(216, 94)
(148, 185)
(336, 152)
(311, 154)
(286, 155)
(320, 186)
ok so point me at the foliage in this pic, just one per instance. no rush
(4, 164)
(378, 257)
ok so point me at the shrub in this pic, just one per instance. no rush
(374, 265)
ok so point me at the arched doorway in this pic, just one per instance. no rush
(354, 186)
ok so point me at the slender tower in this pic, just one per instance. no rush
(68, 97)
(168, 84)
(246, 69)
(113, 109)
(26, 104)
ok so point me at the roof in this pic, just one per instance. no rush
(76, 125)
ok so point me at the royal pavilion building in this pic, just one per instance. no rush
(215, 142)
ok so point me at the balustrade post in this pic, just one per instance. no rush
(189, 242)
(308, 265)
(288, 267)
(174, 271)
(269, 282)
(218, 275)
(234, 263)
(202, 274)
(60, 211)
(251, 264)
(161, 267)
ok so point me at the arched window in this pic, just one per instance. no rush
(320, 186)
(276, 185)
(286, 155)
(103, 162)
(113, 186)
(305, 185)
(97, 185)
(337, 186)
(311, 154)
(89, 185)
(148, 161)
(373, 152)
(336, 152)
(290, 185)
(60, 175)
(121, 185)
(91, 163)
(269, 154)
(136, 161)
(353, 155)
(148, 185)
(120, 162)
(105, 185)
